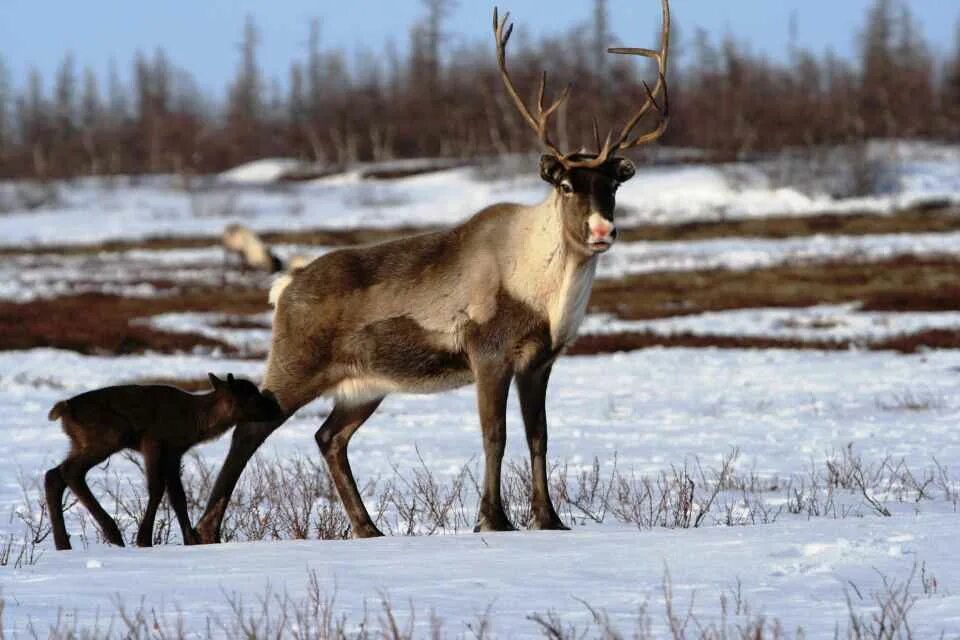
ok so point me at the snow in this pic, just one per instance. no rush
(127, 208)
(798, 572)
(757, 253)
(644, 412)
(260, 172)
(653, 408)
(822, 322)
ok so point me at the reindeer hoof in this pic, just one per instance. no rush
(191, 538)
(549, 525)
(498, 522)
(367, 531)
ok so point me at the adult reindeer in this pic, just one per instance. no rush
(491, 300)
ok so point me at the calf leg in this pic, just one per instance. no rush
(532, 389)
(493, 386)
(332, 438)
(54, 486)
(153, 465)
(74, 472)
(247, 438)
(178, 497)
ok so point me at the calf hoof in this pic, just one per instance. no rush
(62, 544)
(144, 542)
(367, 531)
(494, 522)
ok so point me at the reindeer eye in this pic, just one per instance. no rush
(566, 188)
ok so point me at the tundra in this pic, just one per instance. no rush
(491, 301)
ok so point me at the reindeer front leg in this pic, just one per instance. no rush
(532, 389)
(493, 386)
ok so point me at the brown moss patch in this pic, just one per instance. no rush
(898, 284)
(102, 323)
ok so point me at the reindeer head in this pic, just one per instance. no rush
(586, 183)
(243, 401)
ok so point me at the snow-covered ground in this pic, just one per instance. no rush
(638, 414)
(784, 410)
(89, 211)
(819, 323)
(27, 277)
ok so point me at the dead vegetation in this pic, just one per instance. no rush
(294, 498)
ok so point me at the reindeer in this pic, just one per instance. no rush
(493, 300)
(162, 423)
(244, 243)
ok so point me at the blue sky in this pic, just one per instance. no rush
(201, 35)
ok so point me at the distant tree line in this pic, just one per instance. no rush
(448, 101)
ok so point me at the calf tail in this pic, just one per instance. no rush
(58, 410)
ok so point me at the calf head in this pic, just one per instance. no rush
(244, 402)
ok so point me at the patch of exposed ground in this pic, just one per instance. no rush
(633, 340)
(904, 283)
(937, 218)
(103, 323)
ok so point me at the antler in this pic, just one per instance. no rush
(540, 123)
(610, 145)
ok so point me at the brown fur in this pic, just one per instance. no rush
(163, 423)
(494, 299)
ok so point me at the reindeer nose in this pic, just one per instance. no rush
(601, 228)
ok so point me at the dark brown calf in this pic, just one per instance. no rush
(159, 421)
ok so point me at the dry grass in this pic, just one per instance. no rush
(294, 498)
(881, 615)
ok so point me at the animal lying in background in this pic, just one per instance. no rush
(244, 243)
(162, 423)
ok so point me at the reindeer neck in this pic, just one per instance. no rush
(549, 274)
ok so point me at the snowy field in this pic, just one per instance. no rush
(153, 207)
(805, 489)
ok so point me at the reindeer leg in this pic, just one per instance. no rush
(74, 471)
(493, 386)
(247, 438)
(153, 459)
(178, 497)
(54, 486)
(532, 389)
(332, 438)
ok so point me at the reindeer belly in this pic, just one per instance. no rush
(397, 355)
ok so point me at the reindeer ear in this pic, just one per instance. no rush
(215, 381)
(551, 169)
(230, 378)
(623, 169)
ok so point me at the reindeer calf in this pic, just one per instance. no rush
(253, 253)
(162, 423)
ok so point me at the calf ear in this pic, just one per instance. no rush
(230, 378)
(215, 381)
(551, 169)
